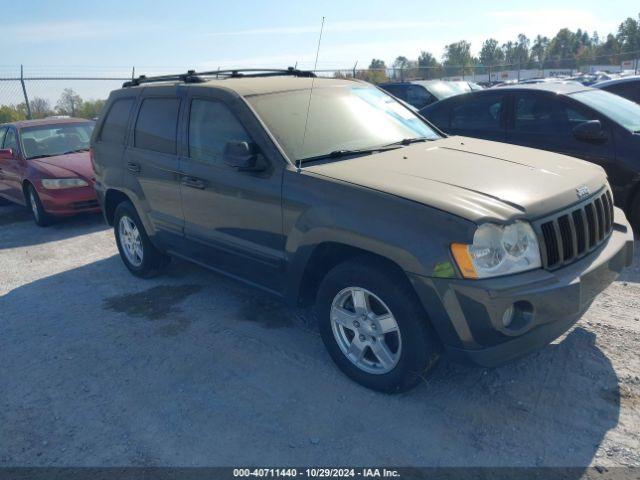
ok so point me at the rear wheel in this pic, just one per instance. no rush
(137, 252)
(42, 218)
(374, 327)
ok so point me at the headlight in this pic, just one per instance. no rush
(498, 250)
(57, 183)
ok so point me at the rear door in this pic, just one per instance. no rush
(546, 121)
(152, 166)
(233, 219)
(479, 115)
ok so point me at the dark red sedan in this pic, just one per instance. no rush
(45, 165)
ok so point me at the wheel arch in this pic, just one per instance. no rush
(112, 199)
(323, 257)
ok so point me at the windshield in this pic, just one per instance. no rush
(340, 118)
(50, 140)
(619, 109)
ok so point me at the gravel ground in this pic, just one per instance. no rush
(98, 368)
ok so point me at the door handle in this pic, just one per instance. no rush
(193, 182)
(133, 167)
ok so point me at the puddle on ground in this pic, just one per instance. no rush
(154, 304)
(266, 312)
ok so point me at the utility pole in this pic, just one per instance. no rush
(24, 91)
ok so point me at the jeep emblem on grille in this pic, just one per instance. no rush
(582, 191)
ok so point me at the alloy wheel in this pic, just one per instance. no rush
(366, 330)
(131, 241)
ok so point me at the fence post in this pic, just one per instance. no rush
(354, 69)
(24, 91)
(133, 73)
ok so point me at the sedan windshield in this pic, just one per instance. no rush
(341, 118)
(51, 140)
(622, 111)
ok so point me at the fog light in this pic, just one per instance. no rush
(507, 316)
(518, 316)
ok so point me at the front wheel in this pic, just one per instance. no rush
(634, 213)
(137, 252)
(42, 218)
(374, 327)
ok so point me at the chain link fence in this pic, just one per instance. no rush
(37, 92)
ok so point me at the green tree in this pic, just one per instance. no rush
(376, 63)
(90, 109)
(539, 50)
(490, 53)
(458, 55)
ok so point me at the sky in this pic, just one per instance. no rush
(47, 35)
(87, 38)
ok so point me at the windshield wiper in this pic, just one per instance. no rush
(39, 156)
(409, 141)
(74, 151)
(347, 153)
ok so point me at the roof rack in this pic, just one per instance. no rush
(197, 77)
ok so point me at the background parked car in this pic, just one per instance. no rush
(421, 93)
(45, 165)
(627, 87)
(574, 120)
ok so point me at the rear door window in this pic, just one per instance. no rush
(545, 114)
(211, 127)
(115, 124)
(157, 125)
(480, 112)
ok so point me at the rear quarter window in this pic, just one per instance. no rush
(477, 112)
(157, 125)
(114, 128)
(439, 115)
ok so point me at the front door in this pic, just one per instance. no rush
(12, 167)
(233, 219)
(478, 115)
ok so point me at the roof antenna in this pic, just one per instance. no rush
(313, 79)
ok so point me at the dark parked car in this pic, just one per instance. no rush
(420, 93)
(45, 165)
(574, 120)
(406, 241)
(627, 87)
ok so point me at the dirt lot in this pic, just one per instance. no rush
(99, 368)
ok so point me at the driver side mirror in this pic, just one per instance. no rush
(241, 155)
(590, 131)
(6, 153)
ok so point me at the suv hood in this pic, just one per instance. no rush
(476, 179)
(73, 164)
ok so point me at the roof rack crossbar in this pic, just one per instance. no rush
(197, 77)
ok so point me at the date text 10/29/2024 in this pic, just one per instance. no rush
(315, 473)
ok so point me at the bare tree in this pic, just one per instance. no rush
(40, 107)
(69, 102)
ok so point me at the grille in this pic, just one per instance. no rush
(573, 233)
(84, 205)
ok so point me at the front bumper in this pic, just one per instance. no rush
(468, 313)
(69, 201)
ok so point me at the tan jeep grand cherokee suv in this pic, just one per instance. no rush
(408, 242)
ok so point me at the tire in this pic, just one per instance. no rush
(389, 362)
(42, 218)
(634, 213)
(137, 252)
